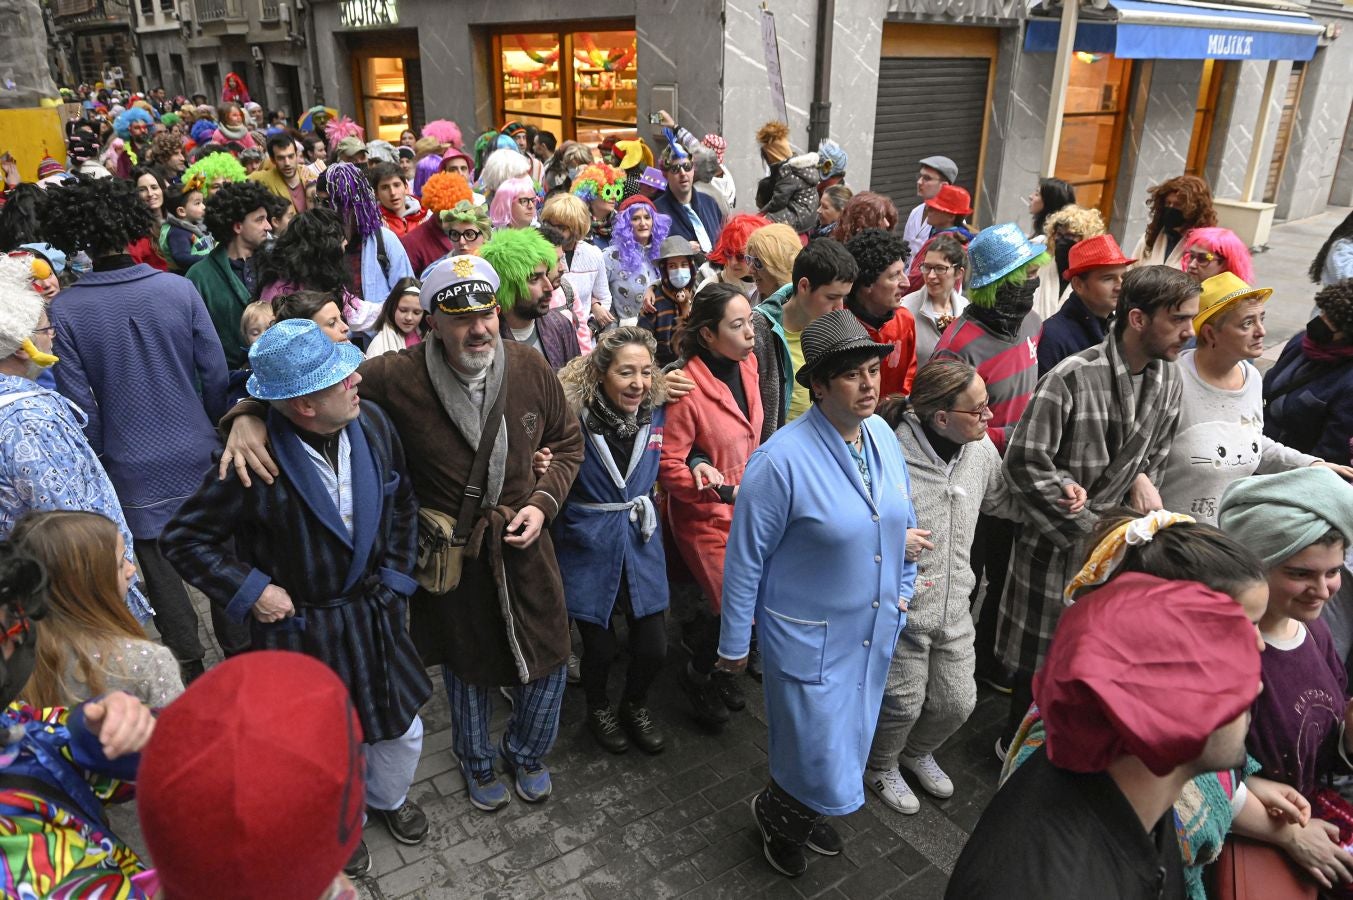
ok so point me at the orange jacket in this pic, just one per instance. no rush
(899, 367)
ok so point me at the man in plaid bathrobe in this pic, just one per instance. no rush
(1105, 419)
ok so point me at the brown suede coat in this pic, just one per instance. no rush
(484, 637)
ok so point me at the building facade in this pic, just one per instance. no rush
(1153, 89)
(94, 42)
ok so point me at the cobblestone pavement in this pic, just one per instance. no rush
(677, 824)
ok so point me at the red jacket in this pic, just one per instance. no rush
(402, 225)
(899, 367)
(707, 420)
(425, 244)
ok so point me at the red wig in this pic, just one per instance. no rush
(733, 239)
(865, 210)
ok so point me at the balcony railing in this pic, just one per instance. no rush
(268, 10)
(219, 10)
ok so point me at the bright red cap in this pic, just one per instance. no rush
(951, 199)
(1093, 252)
(253, 784)
(1148, 668)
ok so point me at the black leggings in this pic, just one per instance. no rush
(647, 648)
(174, 615)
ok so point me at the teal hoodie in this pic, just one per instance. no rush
(773, 309)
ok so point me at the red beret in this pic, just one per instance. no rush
(1148, 668)
(253, 784)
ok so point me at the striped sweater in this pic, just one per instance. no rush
(1009, 368)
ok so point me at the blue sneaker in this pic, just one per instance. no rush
(486, 791)
(533, 782)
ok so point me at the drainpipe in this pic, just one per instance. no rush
(820, 113)
(1061, 75)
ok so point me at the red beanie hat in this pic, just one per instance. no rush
(253, 784)
(1148, 668)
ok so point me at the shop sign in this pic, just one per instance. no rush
(368, 13)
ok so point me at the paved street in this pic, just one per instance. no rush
(677, 825)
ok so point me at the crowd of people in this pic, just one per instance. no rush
(513, 410)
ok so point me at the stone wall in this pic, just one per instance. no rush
(1317, 132)
(1162, 102)
(1019, 115)
(1233, 127)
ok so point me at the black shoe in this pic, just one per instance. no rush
(754, 661)
(191, 670)
(360, 863)
(706, 702)
(784, 857)
(824, 839)
(729, 690)
(408, 824)
(639, 725)
(606, 729)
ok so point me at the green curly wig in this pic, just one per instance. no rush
(514, 254)
(986, 294)
(212, 168)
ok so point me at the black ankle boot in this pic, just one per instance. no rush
(638, 723)
(604, 727)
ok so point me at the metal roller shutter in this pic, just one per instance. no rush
(927, 107)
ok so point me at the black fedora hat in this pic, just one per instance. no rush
(831, 335)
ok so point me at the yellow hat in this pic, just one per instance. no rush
(1220, 292)
(634, 153)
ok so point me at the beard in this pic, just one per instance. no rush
(475, 362)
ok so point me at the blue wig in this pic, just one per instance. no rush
(632, 255)
(201, 131)
(123, 123)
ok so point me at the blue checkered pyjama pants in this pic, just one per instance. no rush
(530, 732)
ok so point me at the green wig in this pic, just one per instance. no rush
(212, 168)
(985, 295)
(466, 213)
(514, 254)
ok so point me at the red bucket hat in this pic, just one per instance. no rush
(253, 784)
(1148, 668)
(1094, 252)
(951, 199)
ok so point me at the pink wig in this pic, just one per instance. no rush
(444, 130)
(500, 207)
(1224, 243)
(337, 129)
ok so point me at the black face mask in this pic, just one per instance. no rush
(1062, 253)
(15, 671)
(1172, 218)
(1013, 303)
(1319, 331)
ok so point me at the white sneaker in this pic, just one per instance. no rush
(893, 790)
(929, 773)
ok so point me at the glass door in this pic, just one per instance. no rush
(605, 83)
(1092, 128)
(384, 97)
(532, 84)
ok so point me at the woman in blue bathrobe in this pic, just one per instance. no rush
(607, 537)
(817, 556)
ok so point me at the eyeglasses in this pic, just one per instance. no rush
(1204, 256)
(754, 262)
(46, 329)
(469, 234)
(935, 269)
(21, 625)
(981, 410)
(678, 167)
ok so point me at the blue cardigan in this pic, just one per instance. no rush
(140, 356)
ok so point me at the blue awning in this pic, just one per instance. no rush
(1144, 29)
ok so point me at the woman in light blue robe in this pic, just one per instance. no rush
(817, 558)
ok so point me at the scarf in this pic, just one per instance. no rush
(199, 229)
(468, 420)
(603, 229)
(1004, 317)
(609, 422)
(236, 133)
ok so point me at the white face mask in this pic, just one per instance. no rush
(679, 277)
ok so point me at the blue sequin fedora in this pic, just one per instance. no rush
(294, 358)
(997, 251)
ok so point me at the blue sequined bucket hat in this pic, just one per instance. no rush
(997, 251)
(295, 357)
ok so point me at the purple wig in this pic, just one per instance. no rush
(632, 255)
(350, 194)
(427, 167)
